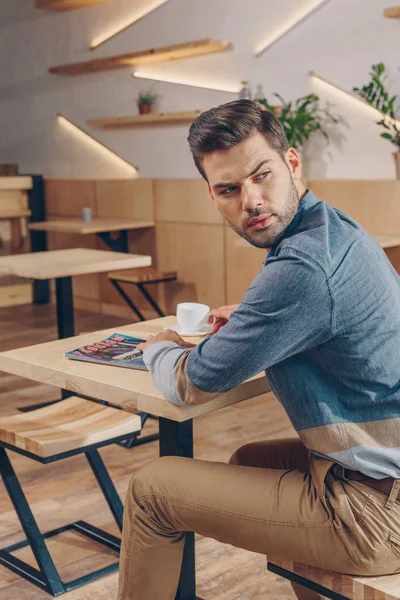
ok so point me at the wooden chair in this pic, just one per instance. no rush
(141, 277)
(49, 434)
(337, 586)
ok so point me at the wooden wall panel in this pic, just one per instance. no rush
(196, 253)
(242, 263)
(184, 201)
(125, 198)
(68, 196)
(375, 204)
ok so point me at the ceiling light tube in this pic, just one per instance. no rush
(354, 96)
(231, 89)
(82, 135)
(296, 20)
(123, 25)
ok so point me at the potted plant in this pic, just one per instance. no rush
(145, 101)
(301, 118)
(376, 95)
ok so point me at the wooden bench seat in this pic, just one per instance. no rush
(383, 587)
(49, 434)
(67, 425)
(142, 275)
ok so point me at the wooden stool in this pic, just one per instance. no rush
(141, 277)
(337, 586)
(58, 431)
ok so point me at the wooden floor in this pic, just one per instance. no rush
(65, 491)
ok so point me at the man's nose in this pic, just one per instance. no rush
(251, 198)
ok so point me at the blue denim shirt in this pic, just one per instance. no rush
(322, 319)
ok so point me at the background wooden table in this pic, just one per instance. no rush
(97, 225)
(387, 240)
(102, 227)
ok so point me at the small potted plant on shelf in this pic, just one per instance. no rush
(145, 101)
(301, 118)
(376, 95)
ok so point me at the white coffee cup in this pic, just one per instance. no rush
(192, 316)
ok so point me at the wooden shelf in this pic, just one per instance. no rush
(66, 4)
(393, 12)
(154, 55)
(141, 120)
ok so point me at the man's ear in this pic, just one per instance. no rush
(294, 163)
(211, 194)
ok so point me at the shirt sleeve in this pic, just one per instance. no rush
(287, 310)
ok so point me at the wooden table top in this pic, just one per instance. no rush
(387, 240)
(72, 261)
(15, 183)
(14, 214)
(96, 226)
(130, 389)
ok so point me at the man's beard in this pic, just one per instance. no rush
(268, 237)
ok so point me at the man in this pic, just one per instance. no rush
(322, 319)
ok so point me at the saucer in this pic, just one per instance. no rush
(184, 333)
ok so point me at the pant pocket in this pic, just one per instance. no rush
(393, 542)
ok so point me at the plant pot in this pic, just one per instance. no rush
(396, 156)
(144, 109)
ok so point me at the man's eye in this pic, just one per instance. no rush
(228, 191)
(263, 175)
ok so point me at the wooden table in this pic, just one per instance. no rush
(100, 226)
(387, 240)
(131, 390)
(61, 265)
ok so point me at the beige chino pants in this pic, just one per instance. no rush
(273, 498)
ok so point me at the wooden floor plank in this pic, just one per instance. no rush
(66, 490)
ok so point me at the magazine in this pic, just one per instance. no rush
(118, 350)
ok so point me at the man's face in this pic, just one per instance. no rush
(254, 190)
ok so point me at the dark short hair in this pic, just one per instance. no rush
(224, 126)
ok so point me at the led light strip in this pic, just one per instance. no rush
(352, 95)
(77, 131)
(300, 17)
(112, 32)
(231, 89)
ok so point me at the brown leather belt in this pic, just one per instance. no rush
(382, 485)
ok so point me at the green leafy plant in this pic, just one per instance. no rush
(147, 97)
(301, 118)
(376, 94)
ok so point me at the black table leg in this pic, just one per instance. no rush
(65, 314)
(176, 439)
(65, 307)
(37, 206)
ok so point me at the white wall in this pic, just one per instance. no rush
(340, 41)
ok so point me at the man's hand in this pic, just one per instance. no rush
(222, 315)
(165, 336)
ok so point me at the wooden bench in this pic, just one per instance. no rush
(73, 426)
(337, 586)
(141, 277)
